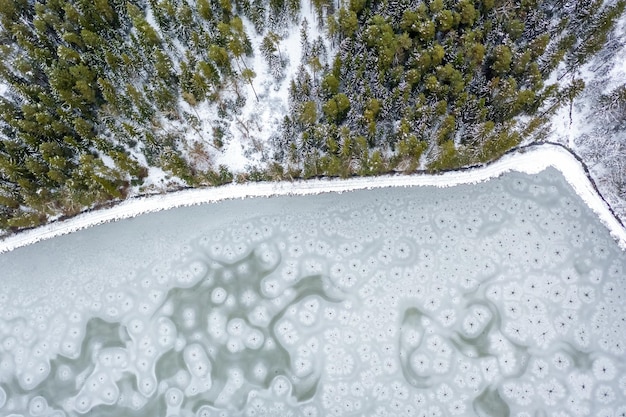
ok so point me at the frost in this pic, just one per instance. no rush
(370, 303)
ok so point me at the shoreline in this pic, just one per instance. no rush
(531, 159)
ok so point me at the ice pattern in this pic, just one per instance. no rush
(497, 299)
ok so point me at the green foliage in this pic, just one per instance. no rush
(451, 74)
(348, 23)
(308, 114)
(437, 53)
(336, 108)
(449, 158)
(502, 58)
(204, 9)
(372, 109)
(498, 143)
(85, 73)
(330, 84)
(271, 43)
(147, 34)
(409, 152)
(175, 163)
(436, 6)
(446, 130)
(89, 81)
(379, 35)
(26, 220)
(357, 5)
(515, 28)
(446, 20)
(468, 14)
(219, 55)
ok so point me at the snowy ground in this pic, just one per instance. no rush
(582, 127)
(602, 75)
(249, 130)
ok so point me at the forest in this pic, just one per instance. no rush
(96, 93)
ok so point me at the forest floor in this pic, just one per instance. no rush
(590, 131)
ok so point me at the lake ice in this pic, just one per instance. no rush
(504, 298)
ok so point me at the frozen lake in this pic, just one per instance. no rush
(504, 298)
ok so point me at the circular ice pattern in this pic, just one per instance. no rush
(500, 299)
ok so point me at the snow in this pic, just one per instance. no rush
(455, 297)
(531, 160)
(249, 128)
(617, 74)
(569, 126)
(571, 122)
(158, 180)
(582, 127)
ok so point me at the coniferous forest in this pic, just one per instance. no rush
(95, 93)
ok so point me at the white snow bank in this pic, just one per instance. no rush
(529, 160)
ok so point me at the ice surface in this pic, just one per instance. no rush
(494, 299)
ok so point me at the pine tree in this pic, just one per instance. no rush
(204, 9)
(249, 75)
(308, 114)
(468, 13)
(347, 22)
(502, 58)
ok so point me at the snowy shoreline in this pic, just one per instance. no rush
(530, 160)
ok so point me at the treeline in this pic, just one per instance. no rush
(97, 92)
(437, 83)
